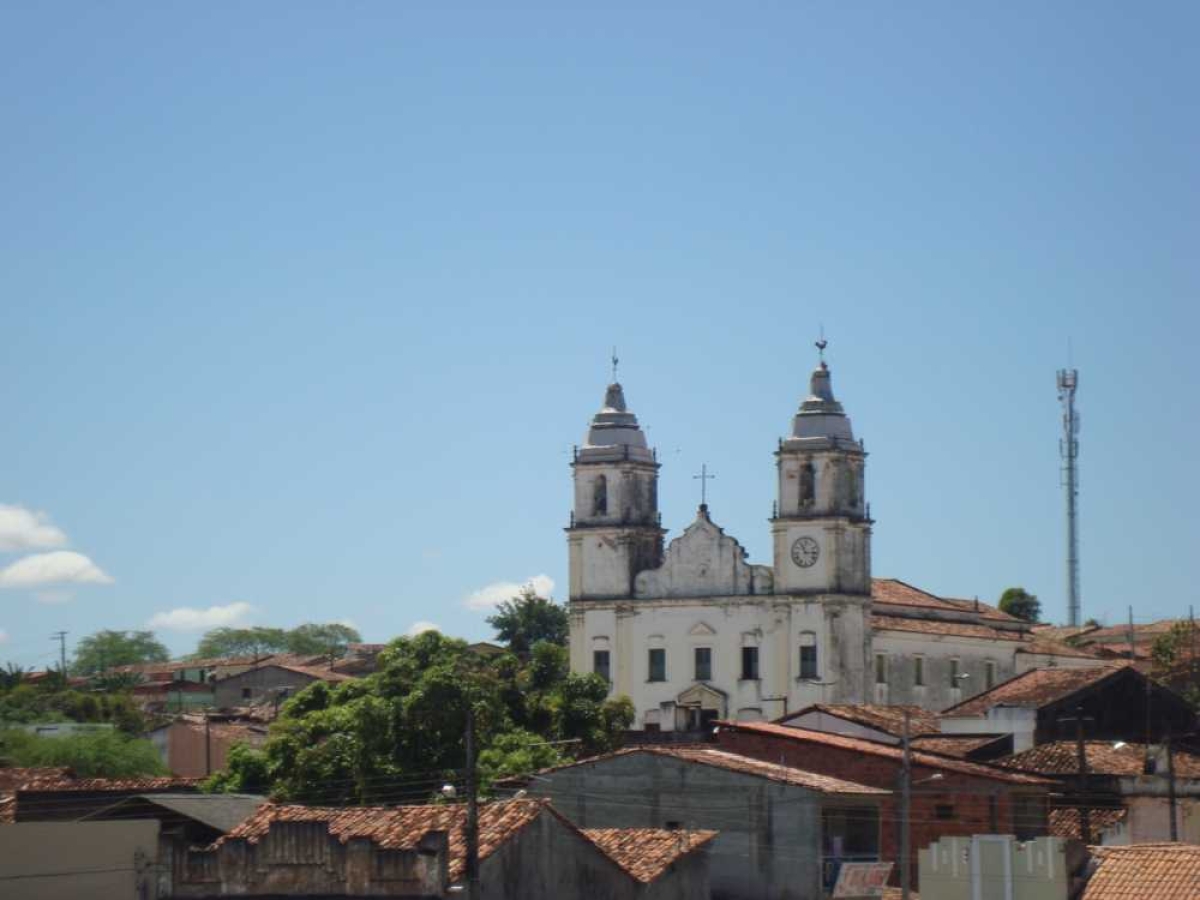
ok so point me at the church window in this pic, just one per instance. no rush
(880, 668)
(601, 664)
(954, 673)
(851, 476)
(600, 496)
(749, 664)
(658, 664)
(919, 671)
(808, 656)
(989, 675)
(703, 659)
(808, 483)
(944, 811)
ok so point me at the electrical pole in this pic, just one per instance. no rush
(472, 808)
(905, 803)
(1171, 789)
(207, 745)
(1085, 819)
(61, 637)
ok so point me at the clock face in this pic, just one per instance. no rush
(805, 552)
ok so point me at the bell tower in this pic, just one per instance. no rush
(821, 529)
(615, 530)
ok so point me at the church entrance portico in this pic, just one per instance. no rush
(699, 707)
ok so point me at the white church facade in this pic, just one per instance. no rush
(693, 632)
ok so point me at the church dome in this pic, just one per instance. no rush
(821, 417)
(614, 431)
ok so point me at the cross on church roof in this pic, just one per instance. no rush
(704, 478)
(821, 344)
(614, 365)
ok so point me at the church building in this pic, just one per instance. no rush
(694, 632)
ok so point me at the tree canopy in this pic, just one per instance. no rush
(309, 639)
(104, 754)
(106, 649)
(526, 619)
(398, 734)
(1016, 601)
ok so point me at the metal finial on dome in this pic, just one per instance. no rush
(614, 364)
(821, 344)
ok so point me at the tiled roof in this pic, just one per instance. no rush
(874, 748)
(1035, 688)
(14, 779)
(218, 811)
(960, 745)
(1064, 823)
(1062, 632)
(322, 674)
(401, 827)
(889, 719)
(1062, 758)
(1119, 634)
(167, 783)
(1047, 647)
(645, 853)
(899, 593)
(942, 627)
(706, 755)
(1161, 871)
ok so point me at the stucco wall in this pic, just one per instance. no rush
(114, 860)
(769, 845)
(263, 683)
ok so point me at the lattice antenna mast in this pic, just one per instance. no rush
(1068, 448)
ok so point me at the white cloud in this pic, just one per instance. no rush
(187, 618)
(417, 627)
(492, 595)
(27, 529)
(55, 567)
(3, 636)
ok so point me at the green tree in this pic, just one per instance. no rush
(396, 735)
(1017, 601)
(1173, 647)
(330, 639)
(105, 754)
(221, 642)
(527, 618)
(106, 649)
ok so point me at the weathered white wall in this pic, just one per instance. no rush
(69, 860)
(1017, 721)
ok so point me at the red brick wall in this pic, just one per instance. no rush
(969, 798)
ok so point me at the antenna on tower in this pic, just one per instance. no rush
(1068, 449)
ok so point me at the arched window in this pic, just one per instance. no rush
(851, 492)
(600, 496)
(808, 483)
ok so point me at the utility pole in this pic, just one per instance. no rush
(207, 745)
(1171, 789)
(1085, 818)
(1132, 647)
(472, 808)
(1068, 448)
(905, 803)
(61, 637)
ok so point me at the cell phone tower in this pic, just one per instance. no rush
(1068, 449)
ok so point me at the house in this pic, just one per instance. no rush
(875, 723)
(950, 796)
(783, 831)
(1141, 871)
(999, 866)
(526, 849)
(1128, 790)
(1117, 702)
(172, 695)
(197, 746)
(273, 683)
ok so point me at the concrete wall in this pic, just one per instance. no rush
(550, 859)
(994, 867)
(769, 845)
(70, 860)
(264, 683)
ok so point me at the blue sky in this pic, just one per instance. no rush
(305, 304)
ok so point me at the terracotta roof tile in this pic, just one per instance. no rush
(895, 592)
(1161, 871)
(14, 779)
(1062, 758)
(645, 853)
(1035, 688)
(167, 783)
(1049, 647)
(942, 627)
(874, 748)
(1064, 823)
(401, 827)
(705, 754)
(960, 745)
(889, 719)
